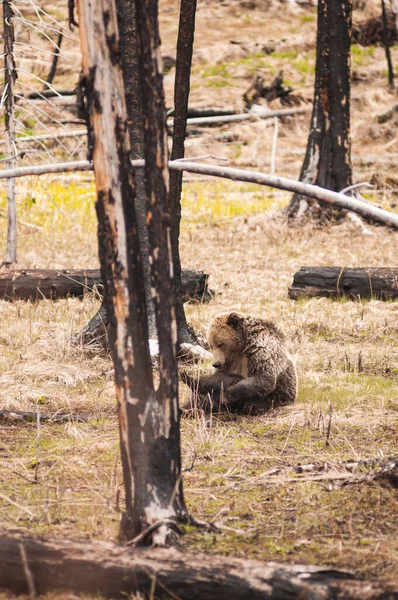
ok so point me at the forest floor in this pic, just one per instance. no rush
(239, 472)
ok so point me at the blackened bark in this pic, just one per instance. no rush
(181, 95)
(327, 161)
(335, 282)
(148, 419)
(10, 75)
(164, 468)
(127, 23)
(53, 69)
(386, 44)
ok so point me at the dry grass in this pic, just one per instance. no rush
(346, 352)
(251, 255)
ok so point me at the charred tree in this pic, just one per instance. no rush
(386, 44)
(53, 69)
(181, 95)
(148, 417)
(327, 162)
(127, 22)
(10, 75)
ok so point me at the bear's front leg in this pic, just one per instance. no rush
(253, 389)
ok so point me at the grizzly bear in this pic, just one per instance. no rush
(253, 369)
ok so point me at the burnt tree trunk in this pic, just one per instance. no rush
(327, 162)
(386, 44)
(148, 418)
(40, 566)
(10, 76)
(181, 95)
(53, 69)
(127, 22)
(335, 282)
(164, 466)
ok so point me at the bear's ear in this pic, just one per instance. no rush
(234, 320)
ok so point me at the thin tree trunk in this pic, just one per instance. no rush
(386, 44)
(181, 95)
(54, 63)
(328, 157)
(148, 419)
(127, 22)
(165, 472)
(10, 76)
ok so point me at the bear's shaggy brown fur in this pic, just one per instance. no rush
(252, 366)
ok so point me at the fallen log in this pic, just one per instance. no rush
(34, 284)
(43, 565)
(336, 282)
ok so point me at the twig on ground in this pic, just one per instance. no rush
(17, 505)
(28, 572)
(329, 429)
(16, 415)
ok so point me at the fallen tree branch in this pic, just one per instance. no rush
(207, 120)
(250, 116)
(368, 211)
(105, 569)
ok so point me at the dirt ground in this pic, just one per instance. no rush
(280, 486)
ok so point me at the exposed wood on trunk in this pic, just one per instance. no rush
(394, 6)
(127, 22)
(160, 479)
(10, 76)
(105, 569)
(365, 209)
(148, 418)
(335, 282)
(181, 95)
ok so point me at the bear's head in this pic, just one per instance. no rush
(225, 339)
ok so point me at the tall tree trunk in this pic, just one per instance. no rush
(10, 76)
(165, 466)
(181, 96)
(327, 161)
(386, 44)
(148, 418)
(127, 23)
